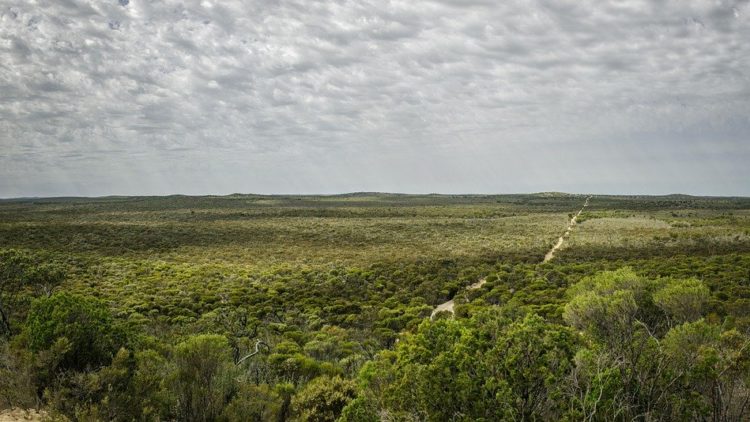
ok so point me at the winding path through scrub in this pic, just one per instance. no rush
(448, 306)
(551, 253)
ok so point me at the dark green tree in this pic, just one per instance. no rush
(85, 323)
(21, 272)
(204, 377)
(486, 368)
(649, 354)
(323, 399)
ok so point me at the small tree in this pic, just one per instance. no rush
(204, 377)
(323, 399)
(683, 300)
(85, 323)
(489, 367)
(254, 403)
(22, 272)
(650, 356)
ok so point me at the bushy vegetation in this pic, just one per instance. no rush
(630, 348)
(317, 308)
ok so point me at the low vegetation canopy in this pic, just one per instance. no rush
(318, 308)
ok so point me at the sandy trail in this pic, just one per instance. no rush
(448, 306)
(19, 415)
(551, 253)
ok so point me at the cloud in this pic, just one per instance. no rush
(101, 97)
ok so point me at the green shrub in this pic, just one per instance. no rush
(85, 322)
(204, 377)
(254, 403)
(323, 399)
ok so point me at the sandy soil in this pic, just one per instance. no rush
(551, 253)
(448, 306)
(18, 415)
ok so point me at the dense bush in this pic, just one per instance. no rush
(204, 377)
(316, 308)
(628, 357)
(651, 356)
(23, 275)
(85, 324)
(487, 368)
(323, 399)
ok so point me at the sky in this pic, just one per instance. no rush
(142, 97)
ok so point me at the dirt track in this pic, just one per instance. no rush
(551, 253)
(20, 415)
(448, 306)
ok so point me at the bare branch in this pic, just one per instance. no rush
(257, 350)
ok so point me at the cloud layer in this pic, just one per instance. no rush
(152, 97)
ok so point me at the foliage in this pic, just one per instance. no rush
(644, 313)
(650, 355)
(254, 403)
(16, 378)
(84, 322)
(487, 368)
(203, 378)
(22, 272)
(323, 399)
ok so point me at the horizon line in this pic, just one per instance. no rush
(29, 198)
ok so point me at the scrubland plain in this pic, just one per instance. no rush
(124, 308)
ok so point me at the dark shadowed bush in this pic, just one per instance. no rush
(85, 322)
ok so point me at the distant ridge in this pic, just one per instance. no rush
(362, 194)
(555, 194)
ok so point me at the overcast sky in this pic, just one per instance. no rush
(106, 97)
